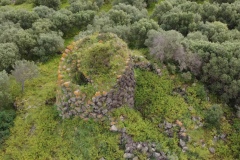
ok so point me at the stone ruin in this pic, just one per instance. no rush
(72, 101)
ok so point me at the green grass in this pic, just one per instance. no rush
(64, 5)
(106, 6)
(151, 7)
(26, 6)
(39, 132)
(69, 37)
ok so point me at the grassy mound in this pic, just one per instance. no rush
(94, 63)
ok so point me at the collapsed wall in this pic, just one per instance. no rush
(95, 75)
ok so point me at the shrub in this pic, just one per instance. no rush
(134, 13)
(83, 18)
(44, 25)
(216, 31)
(209, 12)
(44, 11)
(161, 9)
(55, 4)
(5, 2)
(222, 1)
(197, 36)
(184, 22)
(187, 76)
(5, 96)
(23, 17)
(22, 38)
(119, 17)
(99, 3)
(9, 53)
(137, 3)
(139, 31)
(6, 119)
(20, 1)
(212, 116)
(48, 44)
(80, 5)
(62, 19)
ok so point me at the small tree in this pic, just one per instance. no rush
(24, 70)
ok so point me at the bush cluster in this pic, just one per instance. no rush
(38, 34)
(129, 22)
(207, 44)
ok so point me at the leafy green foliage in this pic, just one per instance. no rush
(43, 11)
(153, 98)
(5, 95)
(6, 119)
(141, 130)
(234, 138)
(17, 2)
(82, 5)
(23, 17)
(137, 3)
(42, 134)
(8, 55)
(55, 4)
(222, 1)
(62, 20)
(134, 13)
(139, 31)
(47, 44)
(5, 2)
(213, 115)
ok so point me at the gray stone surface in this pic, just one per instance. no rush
(128, 155)
(113, 128)
(182, 143)
(212, 150)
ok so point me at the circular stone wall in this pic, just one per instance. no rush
(95, 75)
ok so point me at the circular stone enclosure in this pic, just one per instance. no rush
(95, 75)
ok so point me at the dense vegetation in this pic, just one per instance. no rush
(196, 43)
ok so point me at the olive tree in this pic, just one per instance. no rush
(24, 70)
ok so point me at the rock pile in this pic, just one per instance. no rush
(145, 65)
(169, 129)
(131, 147)
(144, 147)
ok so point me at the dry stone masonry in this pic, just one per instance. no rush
(73, 99)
